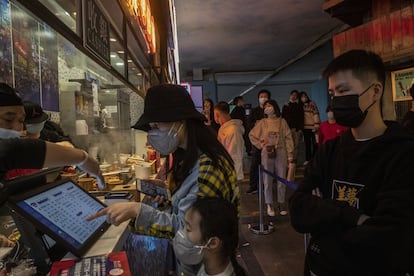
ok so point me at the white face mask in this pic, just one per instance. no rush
(330, 115)
(262, 100)
(186, 251)
(9, 133)
(269, 110)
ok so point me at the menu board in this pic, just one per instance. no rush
(96, 30)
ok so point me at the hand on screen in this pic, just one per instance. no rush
(118, 212)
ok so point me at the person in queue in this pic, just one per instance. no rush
(310, 125)
(33, 153)
(230, 135)
(210, 235)
(256, 115)
(356, 198)
(330, 129)
(293, 113)
(273, 137)
(201, 165)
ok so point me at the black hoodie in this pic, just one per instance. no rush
(359, 177)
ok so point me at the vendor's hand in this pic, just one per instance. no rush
(118, 212)
(3, 272)
(91, 166)
(5, 242)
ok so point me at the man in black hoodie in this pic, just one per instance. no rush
(356, 198)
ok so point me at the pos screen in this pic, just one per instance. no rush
(60, 210)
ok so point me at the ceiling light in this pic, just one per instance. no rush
(120, 52)
(139, 74)
(112, 39)
(119, 63)
(113, 56)
(129, 60)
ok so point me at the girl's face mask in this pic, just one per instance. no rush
(186, 251)
(269, 110)
(164, 141)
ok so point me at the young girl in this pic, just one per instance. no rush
(210, 235)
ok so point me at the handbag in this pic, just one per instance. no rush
(271, 151)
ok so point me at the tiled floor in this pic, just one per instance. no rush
(279, 253)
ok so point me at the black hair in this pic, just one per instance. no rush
(294, 91)
(328, 108)
(200, 138)
(275, 107)
(237, 99)
(223, 107)
(219, 219)
(210, 101)
(303, 93)
(412, 91)
(360, 62)
(269, 95)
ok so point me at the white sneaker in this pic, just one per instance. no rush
(282, 209)
(283, 213)
(270, 210)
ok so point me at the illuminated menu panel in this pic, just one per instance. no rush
(141, 12)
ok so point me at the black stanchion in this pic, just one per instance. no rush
(261, 228)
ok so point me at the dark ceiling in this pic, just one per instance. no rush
(248, 35)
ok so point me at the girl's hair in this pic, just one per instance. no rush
(200, 139)
(219, 219)
(303, 93)
(276, 107)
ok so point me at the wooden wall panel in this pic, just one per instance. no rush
(391, 36)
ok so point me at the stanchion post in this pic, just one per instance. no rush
(261, 228)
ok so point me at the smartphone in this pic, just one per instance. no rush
(153, 188)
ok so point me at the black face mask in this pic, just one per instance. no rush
(346, 109)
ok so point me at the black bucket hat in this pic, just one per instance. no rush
(167, 103)
(34, 113)
(9, 96)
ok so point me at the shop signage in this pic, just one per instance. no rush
(402, 81)
(96, 30)
(141, 12)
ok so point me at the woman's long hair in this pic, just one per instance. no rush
(219, 219)
(200, 139)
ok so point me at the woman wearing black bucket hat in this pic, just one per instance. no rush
(201, 166)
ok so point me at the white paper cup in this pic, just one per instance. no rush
(142, 171)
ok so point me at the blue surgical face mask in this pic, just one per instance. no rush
(164, 141)
(186, 251)
(34, 128)
(9, 133)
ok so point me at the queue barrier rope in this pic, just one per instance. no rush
(262, 229)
